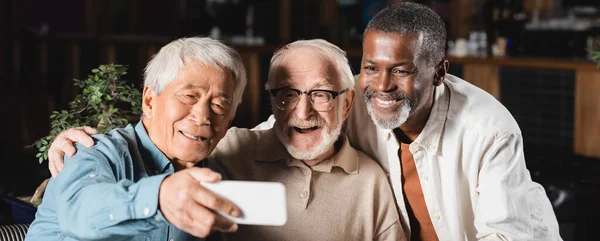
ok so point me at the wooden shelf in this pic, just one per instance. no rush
(528, 62)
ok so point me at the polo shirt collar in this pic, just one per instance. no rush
(270, 149)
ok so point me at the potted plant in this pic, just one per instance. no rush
(105, 102)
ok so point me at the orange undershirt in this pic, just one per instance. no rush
(420, 222)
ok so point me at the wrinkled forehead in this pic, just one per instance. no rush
(306, 70)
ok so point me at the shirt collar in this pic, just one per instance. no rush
(152, 156)
(270, 149)
(430, 137)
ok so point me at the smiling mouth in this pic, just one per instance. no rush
(386, 102)
(304, 130)
(190, 136)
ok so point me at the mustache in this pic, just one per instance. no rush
(311, 122)
(385, 96)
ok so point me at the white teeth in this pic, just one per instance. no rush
(188, 135)
(304, 128)
(385, 102)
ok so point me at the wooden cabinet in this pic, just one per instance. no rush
(484, 73)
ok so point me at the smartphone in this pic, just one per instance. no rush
(262, 203)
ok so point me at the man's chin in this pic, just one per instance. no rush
(304, 152)
(392, 122)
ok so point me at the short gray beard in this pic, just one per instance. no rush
(328, 139)
(403, 113)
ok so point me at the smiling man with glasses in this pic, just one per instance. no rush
(334, 192)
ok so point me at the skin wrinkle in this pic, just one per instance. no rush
(386, 51)
(190, 110)
(307, 71)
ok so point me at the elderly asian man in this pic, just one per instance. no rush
(142, 182)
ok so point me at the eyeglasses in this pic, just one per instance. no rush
(287, 98)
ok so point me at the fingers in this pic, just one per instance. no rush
(89, 130)
(81, 135)
(207, 198)
(200, 222)
(223, 224)
(178, 202)
(63, 144)
(67, 147)
(215, 202)
(55, 162)
(204, 175)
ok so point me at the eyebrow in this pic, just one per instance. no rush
(325, 82)
(394, 64)
(219, 94)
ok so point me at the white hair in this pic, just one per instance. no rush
(322, 48)
(170, 60)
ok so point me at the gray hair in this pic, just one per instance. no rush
(322, 48)
(170, 60)
(408, 18)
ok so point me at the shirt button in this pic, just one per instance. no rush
(111, 216)
(146, 211)
(437, 217)
(415, 147)
(389, 135)
(303, 194)
(157, 219)
(425, 178)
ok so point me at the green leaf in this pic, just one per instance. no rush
(95, 104)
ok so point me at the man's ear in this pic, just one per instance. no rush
(348, 102)
(442, 69)
(148, 96)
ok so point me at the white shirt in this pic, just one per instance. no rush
(470, 160)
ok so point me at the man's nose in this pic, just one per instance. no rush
(304, 108)
(382, 82)
(200, 113)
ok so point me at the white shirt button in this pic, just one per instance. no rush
(157, 219)
(415, 147)
(304, 194)
(111, 216)
(93, 175)
(431, 146)
(146, 211)
(425, 178)
(437, 217)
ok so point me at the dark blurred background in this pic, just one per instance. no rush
(533, 55)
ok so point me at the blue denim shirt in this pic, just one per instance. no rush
(109, 192)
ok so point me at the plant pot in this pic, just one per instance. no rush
(22, 212)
